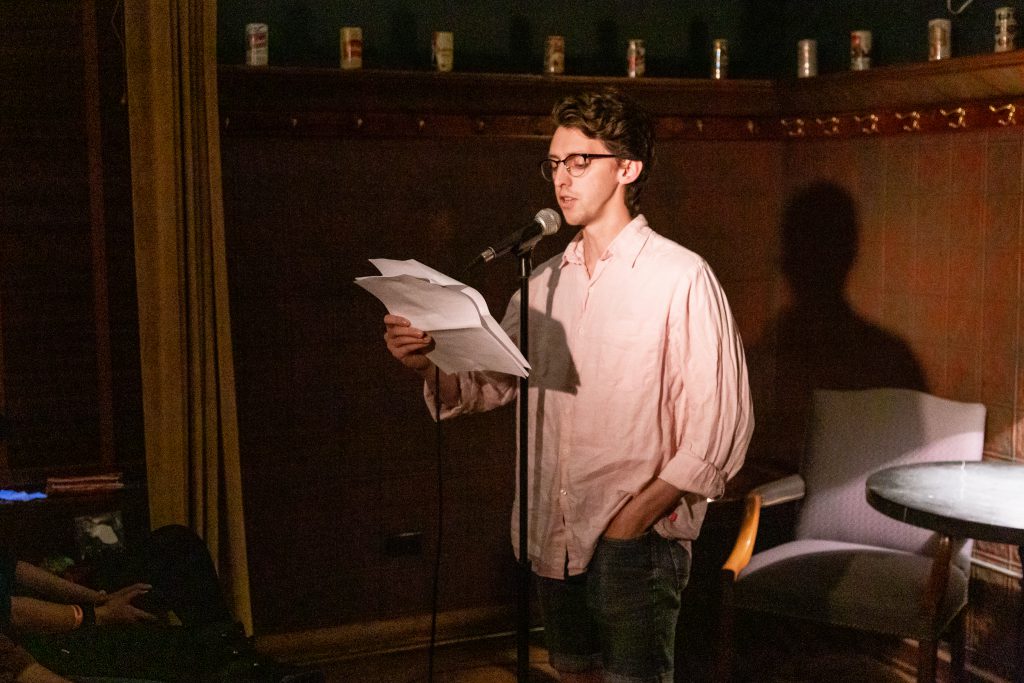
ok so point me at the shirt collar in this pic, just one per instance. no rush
(626, 244)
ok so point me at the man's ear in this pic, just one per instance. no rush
(630, 171)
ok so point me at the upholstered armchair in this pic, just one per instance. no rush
(849, 565)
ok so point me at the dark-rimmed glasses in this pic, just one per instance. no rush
(575, 164)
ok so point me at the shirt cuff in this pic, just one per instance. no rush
(696, 475)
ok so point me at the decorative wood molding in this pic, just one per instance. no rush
(968, 93)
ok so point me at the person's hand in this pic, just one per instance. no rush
(624, 526)
(118, 607)
(408, 344)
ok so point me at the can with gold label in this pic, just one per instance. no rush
(443, 45)
(939, 39)
(554, 55)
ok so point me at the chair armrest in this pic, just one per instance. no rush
(773, 493)
(744, 546)
(780, 491)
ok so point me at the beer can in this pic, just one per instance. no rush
(351, 40)
(1006, 29)
(554, 55)
(806, 58)
(939, 32)
(860, 50)
(443, 46)
(636, 58)
(256, 45)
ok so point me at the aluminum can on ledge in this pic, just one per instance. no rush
(351, 38)
(443, 47)
(257, 39)
(860, 50)
(719, 59)
(554, 55)
(636, 58)
(939, 39)
(1006, 29)
(806, 58)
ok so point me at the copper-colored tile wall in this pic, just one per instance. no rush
(939, 266)
(939, 259)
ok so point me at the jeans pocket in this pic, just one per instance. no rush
(681, 563)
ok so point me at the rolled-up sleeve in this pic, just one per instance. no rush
(713, 408)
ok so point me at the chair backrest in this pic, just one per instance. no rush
(854, 433)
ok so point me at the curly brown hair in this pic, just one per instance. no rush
(617, 120)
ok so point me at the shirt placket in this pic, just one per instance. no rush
(579, 346)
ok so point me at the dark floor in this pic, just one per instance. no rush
(493, 660)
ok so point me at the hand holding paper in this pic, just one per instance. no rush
(465, 335)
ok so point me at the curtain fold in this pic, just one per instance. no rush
(188, 383)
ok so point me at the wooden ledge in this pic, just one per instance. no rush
(969, 93)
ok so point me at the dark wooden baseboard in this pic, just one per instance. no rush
(349, 641)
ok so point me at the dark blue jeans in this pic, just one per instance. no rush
(620, 615)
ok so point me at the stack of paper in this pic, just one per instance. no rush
(466, 337)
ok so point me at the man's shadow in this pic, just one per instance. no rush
(818, 341)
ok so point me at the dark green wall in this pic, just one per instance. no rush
(496, 36)
(899, 29)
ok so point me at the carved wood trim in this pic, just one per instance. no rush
(970, 93)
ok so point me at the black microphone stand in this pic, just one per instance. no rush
(523, 574)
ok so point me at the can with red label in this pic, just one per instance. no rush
(860, 50)
(719, 59)
(256, 44)
(351, 39)
(636, 58)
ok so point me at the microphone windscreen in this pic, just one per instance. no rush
(549, 221)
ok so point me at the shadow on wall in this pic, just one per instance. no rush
(818, 341)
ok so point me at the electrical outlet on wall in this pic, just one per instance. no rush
(403, 543)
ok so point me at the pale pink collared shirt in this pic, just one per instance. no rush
(638, 372)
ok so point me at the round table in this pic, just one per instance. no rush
(979, 500)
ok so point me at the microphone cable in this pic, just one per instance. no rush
(435, 590)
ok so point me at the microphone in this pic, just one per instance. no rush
(546, 222)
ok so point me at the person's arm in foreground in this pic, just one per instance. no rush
(36, 615)
(17, 664)
(50, 586)
(37, 673)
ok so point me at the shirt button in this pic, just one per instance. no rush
(563, 492)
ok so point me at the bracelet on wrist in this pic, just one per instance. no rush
(78, 615)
